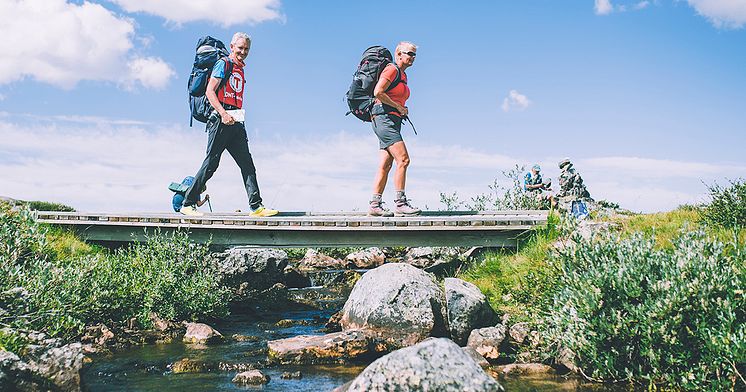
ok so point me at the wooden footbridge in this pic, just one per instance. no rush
(309, 229)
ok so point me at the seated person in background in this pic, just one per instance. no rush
(534, 183)
(180, 192)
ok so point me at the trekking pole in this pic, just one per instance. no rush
(410, 123)
(209, 204)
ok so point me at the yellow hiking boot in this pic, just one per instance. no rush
(190, 211)
(263, 212)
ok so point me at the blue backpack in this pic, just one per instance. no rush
(209, 51)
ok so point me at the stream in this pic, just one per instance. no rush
(149, 367)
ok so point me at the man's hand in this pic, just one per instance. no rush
(207, 196)
(227, 119)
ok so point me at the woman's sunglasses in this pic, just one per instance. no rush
(413, 54)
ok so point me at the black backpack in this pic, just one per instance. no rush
(209, 51)
(360, 95)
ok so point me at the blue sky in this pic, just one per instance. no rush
(646, 97)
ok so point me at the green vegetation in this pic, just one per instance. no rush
(37, 205)
(521, 283)
(728, 205)
(51, 282)
(512, 197)
(658, 302)
(632, 311)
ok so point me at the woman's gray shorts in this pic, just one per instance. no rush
(388, 129)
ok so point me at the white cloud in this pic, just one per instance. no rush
(641, 5)
(2, 97)
(99, 164)
(722, 13)
(223, 12)
(515, 101)
(661, 168)
(603, 7)
(62, 43)
(150, 72)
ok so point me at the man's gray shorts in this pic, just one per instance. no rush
(388, 129)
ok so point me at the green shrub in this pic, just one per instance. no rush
(632, 311)
(166, 275)
(37, 205)
(728, 205)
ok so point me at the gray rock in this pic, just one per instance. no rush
(314, 259)
(367, 258)
(337, 347)
(251, 377)
(260, 267)
(398, 303)
(201, 333)
(294, 278)
(187, 365)
(61, 365)
(487, 341)
(518, 333)
(426, 257)
(433, 365)
(525, 369)
(468, 309)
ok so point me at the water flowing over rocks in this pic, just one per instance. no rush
(468, 309)
(317, 260)
(398, 303)
(201, 334)
(338, 347)
(433, 365)
(487, 341)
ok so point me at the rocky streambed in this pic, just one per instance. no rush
(321, 324)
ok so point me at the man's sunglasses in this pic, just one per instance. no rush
(413, 54)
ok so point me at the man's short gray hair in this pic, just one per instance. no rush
(405, 44)
(240, 35)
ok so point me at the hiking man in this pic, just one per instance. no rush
(388, 111)
(226, 132)
(535, 184)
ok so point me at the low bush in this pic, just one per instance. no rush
(728, 205)
(631, 310)
(166, 275)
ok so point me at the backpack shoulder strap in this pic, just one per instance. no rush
(228, 70)
(396, 80)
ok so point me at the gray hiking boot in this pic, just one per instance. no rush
(376, 209)
(403, 208)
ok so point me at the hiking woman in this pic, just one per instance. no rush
(387, 114)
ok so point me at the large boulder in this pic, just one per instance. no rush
(433, 365)
(61, 365)
(260, 267)
(337, 347)
(398, 303)
(468, 309)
